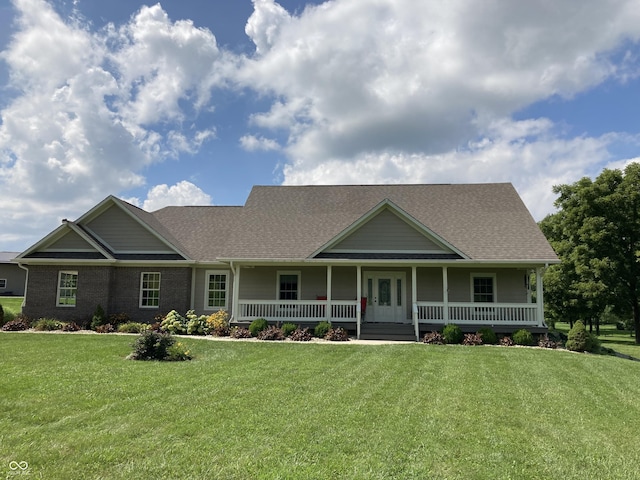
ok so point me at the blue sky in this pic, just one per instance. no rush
(193, 102)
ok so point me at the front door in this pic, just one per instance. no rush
(385, 292)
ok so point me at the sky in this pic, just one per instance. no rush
(193, 102)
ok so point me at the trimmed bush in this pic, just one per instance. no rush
(178, 352)
(258, 325)
(506, 341)
(237, 332)
(288, 328)
(218, 323)
(489, 337)
(579, 340)
(452, 334)
(173, 322)
(523, 337)
(433, 338)
(152, 346)
(117, 319)
(106, 328)
(133, 327)
(337, 335)
(545, 342)
(47, 325)
(301, 335)
(196, 325)
(472, 339)
(16, 325)
(271, 333)
(99, 318)
(71, 327)
(322, 329)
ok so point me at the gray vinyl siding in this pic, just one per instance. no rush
(510, 287)
(123, 234)
(15, 277)
(200, 285)
(387, 231)
(429, 284)
(70, 242)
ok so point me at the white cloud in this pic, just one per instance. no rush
(182, 193)
(401, 91)
(252, 143)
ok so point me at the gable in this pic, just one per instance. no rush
(70, 242)
(122, 233)
(387, 232)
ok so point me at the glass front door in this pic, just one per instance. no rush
(385, 297)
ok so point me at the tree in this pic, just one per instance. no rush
(596, 233)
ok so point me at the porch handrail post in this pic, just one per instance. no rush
(414, 301)
(358, 297)
(445, 294)
(540, 296)
(328, 312)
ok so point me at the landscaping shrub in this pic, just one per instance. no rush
(1, 316)
(133, 327)
(452, 334)
(238, 332)
(16, 325)
(218, 323)
(545, 342)
(47, 325)
(117, 319)
(489, 337)
(99, 318)
(258, 325)
(433, 338)
(322, 329)
(523, 337)
(196, 325)
(472, 339)
(106, 328)
(301, 335)
(152, 346)
(288, 328)
(173, 322)
(271, 333)
(506, 341)
(338, 334)
(579, 340)
(71, 327)
(178, 352)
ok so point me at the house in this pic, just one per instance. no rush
(12, 277)
(376, 259)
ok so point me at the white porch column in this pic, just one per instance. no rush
(328, 312)
(235, 302)
(540, 295)
(414, 301)
(445, 294)
(358, 297)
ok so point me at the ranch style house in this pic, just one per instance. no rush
(379, 260)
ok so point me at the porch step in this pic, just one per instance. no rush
(387, 331)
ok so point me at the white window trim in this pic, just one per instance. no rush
(5, 283)
(207, 274)
(289, 272)
(485, 275)
(67, 272)
(150, 307)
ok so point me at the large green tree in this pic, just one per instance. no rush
(596, 233)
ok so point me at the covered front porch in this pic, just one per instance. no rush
(425, 297)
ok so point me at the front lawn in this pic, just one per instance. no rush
(73, 407)
(622, 341)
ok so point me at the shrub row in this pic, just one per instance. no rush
(452, 334)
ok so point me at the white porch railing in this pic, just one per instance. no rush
(298, 310)
(490, 314)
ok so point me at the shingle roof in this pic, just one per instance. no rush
(484, 221)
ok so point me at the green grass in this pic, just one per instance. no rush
(11, 306)
(73, 407)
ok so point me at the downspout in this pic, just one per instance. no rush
(26, 283)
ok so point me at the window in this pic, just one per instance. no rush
(3, 283)
(150, 290)
(484, 288)
(216, 289)
(67, 289)
(288, 285)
